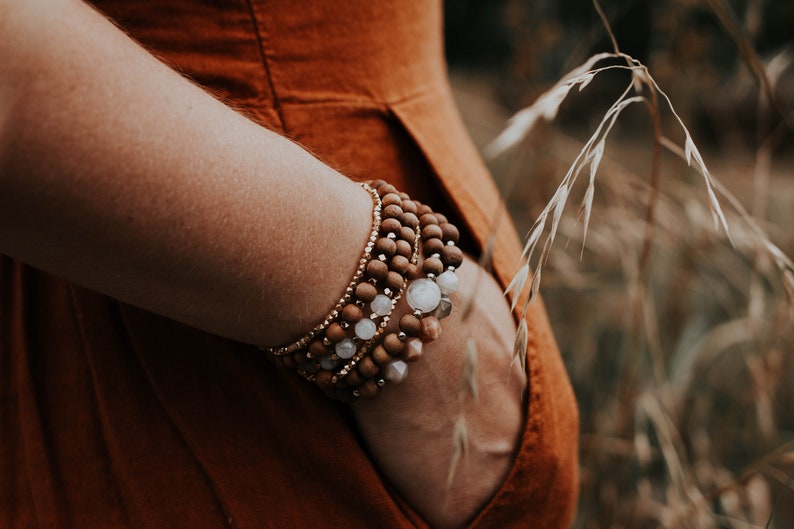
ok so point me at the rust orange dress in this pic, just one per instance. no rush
(115, 417)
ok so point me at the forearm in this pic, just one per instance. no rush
(121, 175)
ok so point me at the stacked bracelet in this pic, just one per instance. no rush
(350, 354)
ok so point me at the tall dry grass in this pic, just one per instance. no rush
(665, 271)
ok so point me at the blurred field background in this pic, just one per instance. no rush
(683, 363)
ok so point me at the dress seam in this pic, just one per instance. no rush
(103, 426)
(265, 64)
(369, 102)
(212, 488)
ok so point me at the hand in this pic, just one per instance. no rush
(410, 428)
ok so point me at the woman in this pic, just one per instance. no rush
(194, 229)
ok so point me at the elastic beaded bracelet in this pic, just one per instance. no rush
(351, 288)
(349, 355)
(394, 259)
(318, 353)
(428, 298)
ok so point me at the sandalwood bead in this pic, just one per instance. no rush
(393, 345)
(451, 256)
(324, 379)
(432, 246)
(380, 355)
(412, 272)
(367, 367)
(428, 219)
(431, 329)
(335, 333)
(423, 209)
(404, 248)
(391, 226)
(440, 217)
(431, 231)
(433, 265)
(409, 206)
(317, 349)
(353, 378)
(392, 211)
(449, 232)
(390, 198)
(403, 195)
(393, 281)
(400, 264)
(410, 325)
(377, 269)
(385, 246)
(366, 292)
(369, 389)
(407, 234)
(300, 358)
(410, 220)
(352, 313)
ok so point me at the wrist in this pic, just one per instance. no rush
(357, 348)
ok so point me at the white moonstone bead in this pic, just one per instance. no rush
(396, 371)
(365, 329)
(423, 294)
(328, 363)
(447, 282)
(345, 349)
(381, 305)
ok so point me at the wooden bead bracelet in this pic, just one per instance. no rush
(350, 354)
(348, 295)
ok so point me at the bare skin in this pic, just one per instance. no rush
(120, 175)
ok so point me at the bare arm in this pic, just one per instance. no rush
(117, 173)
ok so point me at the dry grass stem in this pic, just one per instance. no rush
(460, 447)
(674, 306)
(470, 371)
